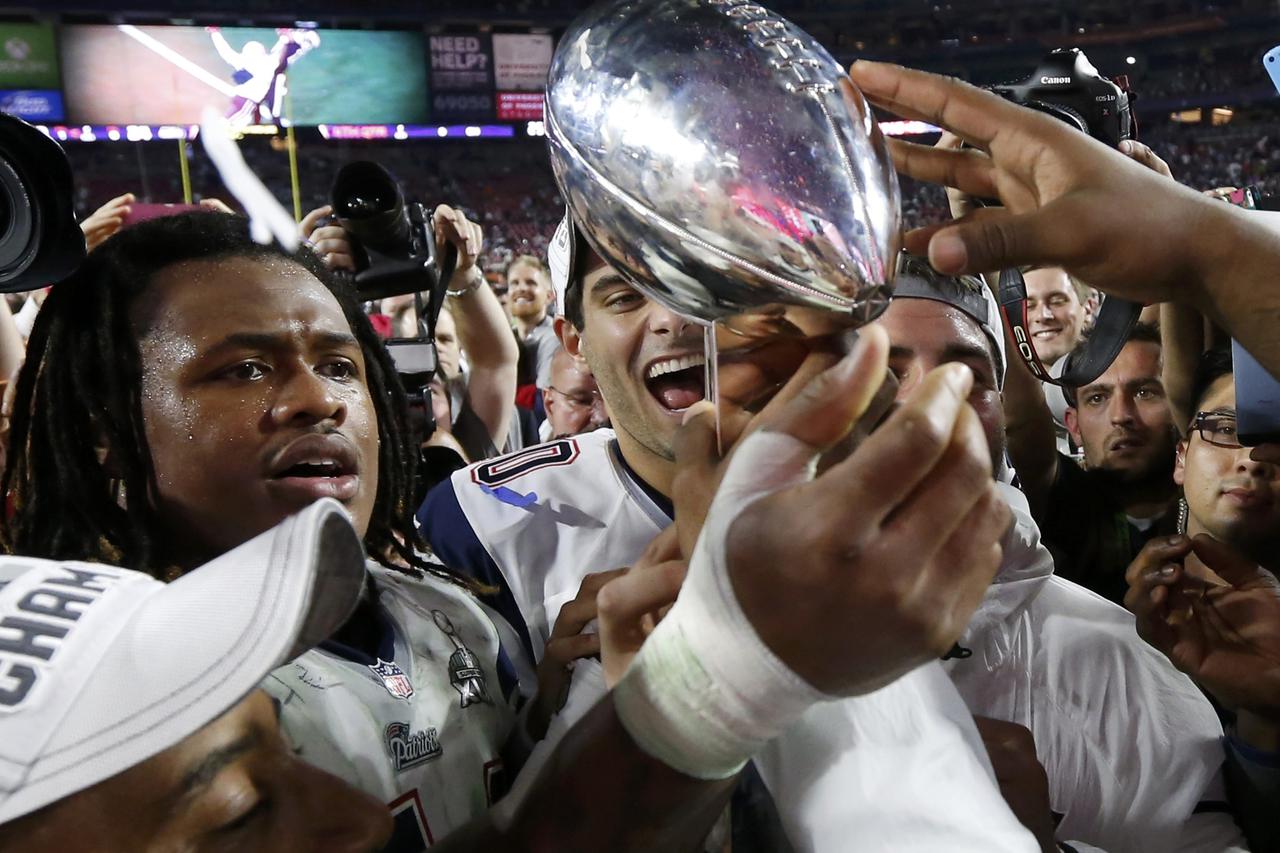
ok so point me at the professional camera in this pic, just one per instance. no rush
(1068, 87)
(395, 254)
(40, 242)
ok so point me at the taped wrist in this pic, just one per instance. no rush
(705, 692)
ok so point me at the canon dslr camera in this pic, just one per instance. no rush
(1069, 88)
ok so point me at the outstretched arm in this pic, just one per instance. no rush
(483, 330)
(1216, 258)
(229, 54)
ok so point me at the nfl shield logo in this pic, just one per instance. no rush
(393, 678)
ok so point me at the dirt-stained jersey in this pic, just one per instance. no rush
(422, 723)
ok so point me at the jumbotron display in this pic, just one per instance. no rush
(169, 75)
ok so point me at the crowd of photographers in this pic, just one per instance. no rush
(1095, 566)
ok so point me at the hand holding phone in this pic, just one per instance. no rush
(1257, 400)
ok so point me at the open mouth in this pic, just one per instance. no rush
(678, 382)
(1045, 334)
(316, 467)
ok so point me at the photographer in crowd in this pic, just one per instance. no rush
(472, 323)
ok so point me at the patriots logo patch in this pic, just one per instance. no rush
(393, 678)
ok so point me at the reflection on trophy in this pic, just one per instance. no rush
(720, 159)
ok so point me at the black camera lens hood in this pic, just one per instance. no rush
(1091, 357)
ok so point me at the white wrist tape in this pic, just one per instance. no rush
(705, 692)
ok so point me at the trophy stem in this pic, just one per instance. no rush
(712, 371)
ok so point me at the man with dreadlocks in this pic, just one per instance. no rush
(223, 386)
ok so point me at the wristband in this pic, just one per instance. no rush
(705, 693)
(476, 279)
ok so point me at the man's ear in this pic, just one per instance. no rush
(1072, 423)
(571, 340)
(1180, 463)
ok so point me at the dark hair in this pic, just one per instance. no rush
(1213, 365)
(1143, 333)
(573, 304)
(80, 388)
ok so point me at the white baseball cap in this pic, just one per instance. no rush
(102, 668)
(563, 254)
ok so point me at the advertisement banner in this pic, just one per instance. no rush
(520, 106)
(29, 83)
(461, 77)
(521, 61)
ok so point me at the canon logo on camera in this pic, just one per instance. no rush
(1049, 81)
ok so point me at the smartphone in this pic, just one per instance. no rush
(1271, 62)
(1257, 399)
(143, 212)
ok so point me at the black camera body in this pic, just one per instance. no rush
(1068, 87)
(40, 242)
(395, 250)
(396, 254)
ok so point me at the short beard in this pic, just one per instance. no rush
(1132, 483)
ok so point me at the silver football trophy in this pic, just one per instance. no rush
(718, 157)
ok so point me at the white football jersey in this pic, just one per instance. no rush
(422, 724)
(534, 523)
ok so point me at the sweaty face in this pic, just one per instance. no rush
(1229, 495)
(924, 334)
(527, 292)
(255, 402)
(1122, 419)
(1055, 316)
(235, 785)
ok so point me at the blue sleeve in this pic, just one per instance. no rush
(454, 542)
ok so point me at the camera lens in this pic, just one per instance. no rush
(16, 220)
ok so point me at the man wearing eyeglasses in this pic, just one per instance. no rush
(1228, 494)
(1209, 598)
(572, 400)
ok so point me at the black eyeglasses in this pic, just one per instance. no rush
(1216, 428)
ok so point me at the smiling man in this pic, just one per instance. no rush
(1059, 311)
(528, 296)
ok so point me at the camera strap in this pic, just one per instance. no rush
(1116, 319)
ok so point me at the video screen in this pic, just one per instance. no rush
(253, 76)
(29, 85)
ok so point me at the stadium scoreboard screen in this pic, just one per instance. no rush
(162, 75)
(135, 82)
